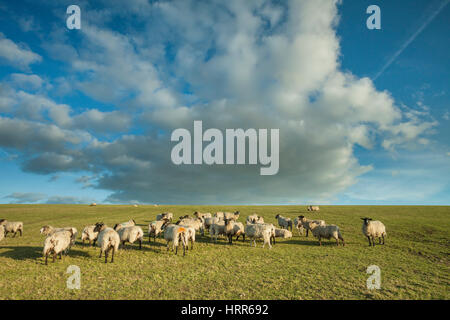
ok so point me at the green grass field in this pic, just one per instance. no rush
(414, 262)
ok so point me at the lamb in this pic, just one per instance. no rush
(231, 215)
(167, 215)
(129, 223)
(307, 222)
(373, 229)
(49, 230)
(175, 234)
(233, 228)
(12, 226)
(57, 243)
(108, 239)
(155, 228)
(2, 232)
(327, 232)
(217, 229)
(89, 234)
(259, 231)
(283, 233)
(284, 223)
(313, 208)
(254, 218)
(131, 234)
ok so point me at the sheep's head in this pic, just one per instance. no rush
(99, 226)
(2, 221)
(366, 220)
(45, 230)
(301, 217)
(116, 226)
(133, 221)
(276, 217)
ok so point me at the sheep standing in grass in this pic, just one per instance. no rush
(231, 215)
(165, 215)
(57, 243)
(176, 235)
(196, 223)
(254, 218)
(208, 222)
(189, 235)
(217, 229)
(259, 231)
(129, 223)
(12, 226)
(155, 228)
(108, 239)
(373, 229)
(131, 235)
(283, 222)
(306, 223)
(233, 228)
(327, 232)
(313, 208)
(283, 233)
(49, 230)
(2, 232)
(202, 215)
(298, 225)
(89, 234)
(219, 215)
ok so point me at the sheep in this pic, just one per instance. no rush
(189, 235)
(108, 239)
(217, 229)
(283, 233)
(2, 232)
(202, 215)
(233, 228)
(12, 226)
(131, 234)
(196, 223)
(307, 222)
(219, 215)
(57, 243)
(208, 222)
(254, 218)
(175, 234)
(89, 234)
(313, 208)
(258, 231)
(327, 232)
(231, 215)
(167, 215)
(49, 230)
(93, 204)
(373, 229)
(155, 228)
(298, 225)
(129, 223)
(135, 205)
(284, 223)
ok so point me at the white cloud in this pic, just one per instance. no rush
(17, 55)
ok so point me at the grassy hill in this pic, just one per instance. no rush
(414, 262)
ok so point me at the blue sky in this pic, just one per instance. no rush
(87, 114)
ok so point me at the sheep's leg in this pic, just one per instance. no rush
(46, 258)
(20, 232)
(54, 257)
(101, 251)
(379, 240)
(93, 243)
(320, 241)
(373, 241)
(307, 231)
(60, 255)
(106, 255)
(192, 244)
(140, 244)
(383, 238)
(14, 234)
(243, 237)
(368, 238)
(112, 255)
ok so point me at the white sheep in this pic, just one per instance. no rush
(307, 222)
(254, 218)
(283, 233)
(298, 225)
(57, 243)
(131, 235)
(373, 229)
(93, 204)
(129, 223)
(175, 234)
(283, 222)
(231, 215)
(196, 223)
(233, 228)
(89, 234)
(259, 231)
(208, 222)
(219, 215)
(12, 226)
(189, 235)
(202, 215)
(313, 208)
(327, 232)
(217, 229)
(108, 239)
(49, 230)
(155, 228)
(167, 215)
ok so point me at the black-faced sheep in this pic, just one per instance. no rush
(108, 239)
(373, 229)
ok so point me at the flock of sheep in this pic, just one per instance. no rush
(59, 240)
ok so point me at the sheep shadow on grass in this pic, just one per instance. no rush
(21, 252)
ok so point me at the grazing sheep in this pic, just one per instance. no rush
(135, 205)
(313, 208)
(108, 239)
(166, 215)
(202, 215)
(129, 223)
(327, 232)
(208, 222)
(231, 215)
(284, 223)
(254, 218)
(233, 228)
(2, 232)
(49, 230)
(217, 229)
(89, 234)
(259, 231)
(298, 225)
(175, 234)
(283, 233)
(219, 215)
(307, 222)
(93, 204)
(131, 234)
(12, 226)
(373, 229)
(57, 243)
(196, 223)
(155, 228)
